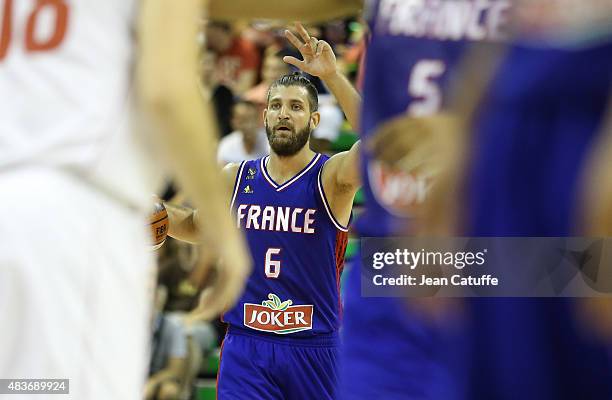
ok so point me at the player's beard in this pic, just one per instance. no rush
(288, 147)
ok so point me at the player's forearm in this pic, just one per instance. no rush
(348, 97)
(182, 223)
(311, 10)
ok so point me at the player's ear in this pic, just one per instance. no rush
(265, 112)
(315, 118)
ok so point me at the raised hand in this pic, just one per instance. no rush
(414, 144)
(318, 56)
(425, 148)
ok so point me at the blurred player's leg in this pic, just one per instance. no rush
(406, 356)
(72, 309)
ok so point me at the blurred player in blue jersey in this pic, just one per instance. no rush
(294, 207)
(533, 131)
(413, 56)
(536, 128)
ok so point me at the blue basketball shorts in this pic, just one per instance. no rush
(260, 367)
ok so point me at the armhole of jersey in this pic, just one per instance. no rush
(333, 219)
(236, 185)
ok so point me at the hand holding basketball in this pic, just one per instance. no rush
(158, 223)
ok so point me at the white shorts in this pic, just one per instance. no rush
(76, 285)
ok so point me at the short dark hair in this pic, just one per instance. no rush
(297, 79)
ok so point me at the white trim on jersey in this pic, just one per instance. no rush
(337, 224)
(262, 167)
(237, 184)
(264, 162)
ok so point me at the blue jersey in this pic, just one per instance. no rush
(535, 130)
(298, 253)
(412, 56)
(532, 135)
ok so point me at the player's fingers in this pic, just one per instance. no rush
(383, 136)
(319, 49)
(302, 32)
(203, 269)
(375, 143)
(418, 159)
(293, 39)
(294, 61)
(230, 279)
(203, 311)
(324, 46)
(223, 293)
(212, 301)
(386, 146)
(233, 288)
(314, 43)
(400, 137)
(394, 153)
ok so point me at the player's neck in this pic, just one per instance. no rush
(281, 169)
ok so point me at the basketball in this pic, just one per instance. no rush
(158, 222)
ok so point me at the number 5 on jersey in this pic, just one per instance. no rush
(272, 267)
(34, 41)
(424, 88)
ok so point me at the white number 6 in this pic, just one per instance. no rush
(272, 266)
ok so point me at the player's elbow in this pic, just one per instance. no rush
(349, 179)
(348, 184)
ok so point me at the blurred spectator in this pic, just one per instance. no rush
(237, 58)
(354, 57)
(248, 141)
(264, 33)
(335, 33)
(221, 96)
(176, 263)
(168, 354)
(329, 128)
(273, 68)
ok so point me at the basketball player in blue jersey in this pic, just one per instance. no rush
(294, 207)
(413, 54)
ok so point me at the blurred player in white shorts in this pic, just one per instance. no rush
(76, 181)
